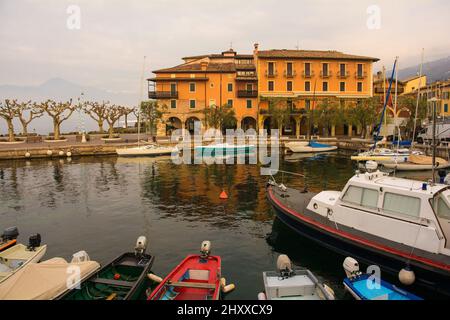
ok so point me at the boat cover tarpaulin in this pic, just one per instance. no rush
(314, 144)
(45, 280)
(420, 159)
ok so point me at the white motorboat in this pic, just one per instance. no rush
(48, 279)
(290, 284)
(395, 223)
(18, 256)
(309, 147)
(147, 150)
(418, 163)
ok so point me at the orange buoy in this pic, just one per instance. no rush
(116, 276)
(223, 195)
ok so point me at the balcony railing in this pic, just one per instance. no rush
(343, 75)
(290, 74)
(310, 74)
(325, 74)
(272, 74)
(163, 94)
(247, 93)
(360, 75)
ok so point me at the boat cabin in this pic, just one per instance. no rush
(408, 212)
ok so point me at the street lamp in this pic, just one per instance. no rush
(83, 130)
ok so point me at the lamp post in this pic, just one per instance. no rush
(83, 130)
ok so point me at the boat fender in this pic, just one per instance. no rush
(116, 276)
(223, 283)
(49, 152)
(407, 276)
(61, 153)
(223, 195)
(69, 154)
(228, 288)
(27, 154)
(262, 296)
(154, 278)
(329, 291)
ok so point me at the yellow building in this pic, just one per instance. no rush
(297, 78)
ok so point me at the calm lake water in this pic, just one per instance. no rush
(103, 204)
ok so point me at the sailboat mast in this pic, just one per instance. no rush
(418, 98)
(434, 145)
(140, 101)
(396, 127)
(384, 99)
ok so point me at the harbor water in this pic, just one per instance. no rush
(102, 204)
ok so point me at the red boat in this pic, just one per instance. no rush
(197, 277)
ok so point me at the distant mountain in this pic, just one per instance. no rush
(61, 90)
(434, 70)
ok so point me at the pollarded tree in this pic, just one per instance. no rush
(280, 114)
(8, 112)
(113, 114)
(59, 112)
(329, 113)
(97, 111)
(24, 108)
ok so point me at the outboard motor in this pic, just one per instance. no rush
(34, 241)
(284, 266)
(351, 267)
(141, 246)
(10, 234)
(205, 249)
(442, 175)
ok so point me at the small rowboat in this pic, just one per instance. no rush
(8, 238)
(19, 255)
(124, 278)
(308, 147)
(197, 277)
(366, 287)
(290, 284)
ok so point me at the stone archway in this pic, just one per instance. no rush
(248, 123)
(190, 123)
(173, 123)
(290, 128)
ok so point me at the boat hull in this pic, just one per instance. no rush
(307, 149)
(413, 167)
(433, 279)
(139, 152)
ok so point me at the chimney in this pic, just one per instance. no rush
(203, 65)
(255, 51)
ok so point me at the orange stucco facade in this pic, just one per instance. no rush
(249, 82)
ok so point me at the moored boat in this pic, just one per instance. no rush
(418, 163)
(124, 278)
(8, 238)
(19, 255)
(197, 277)
(292, 284)
(48, 279)
(147, 150)
(384, 155)
(224, 149)
(368, 287)
(380, 220)
(309, 147)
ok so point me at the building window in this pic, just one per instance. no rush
(192, 104)
(173, 87)
(289, 104)
(325, 86)
(271, 68)
(342, 86)
(230, 102)
(307, 104)
(230, 87)
(360, 70)
(342, 69)
(192, 87)
(325, 69)
(289, 71)
(173, 104)
(249, 87)
(249, 104)
(360, 86)
(308, 69)
(270, 85)
(289, 86)
(446, 107)
(307, 86)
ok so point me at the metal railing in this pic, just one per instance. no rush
(163, 94)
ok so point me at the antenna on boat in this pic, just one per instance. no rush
(140, 101)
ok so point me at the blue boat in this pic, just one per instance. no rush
(224, 149)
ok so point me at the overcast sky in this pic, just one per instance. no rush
(107, 51)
